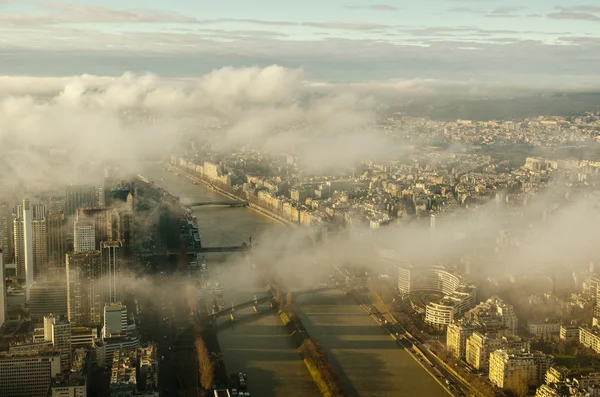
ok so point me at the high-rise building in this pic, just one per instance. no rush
(58, 331)
(99, 217)
(48, 297)
(100, 197)
(57, 239)
(106, 348)
(456, 338)
(6, 231)
(112, 268)
(30, 242)
(79, 197)
(83, 337)
(2, 291)
(479, 347)
(28, 374)
(84, 287)
(510, 369)
(115, 320)
(40, 248)
(120, 226)
(85, 236)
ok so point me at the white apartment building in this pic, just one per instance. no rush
(507, 367)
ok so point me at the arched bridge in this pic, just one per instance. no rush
(320, 288)
(231, 204)
(231, 310)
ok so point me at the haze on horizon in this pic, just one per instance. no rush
(549, 45)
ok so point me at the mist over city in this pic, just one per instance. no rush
(299, 199)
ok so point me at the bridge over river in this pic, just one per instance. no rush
(232, 204)
(270, 298)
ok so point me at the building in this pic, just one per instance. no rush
(115, 320)
(510, 368)
(569, 332)
(58, 331)
(591, 379)
(478, 349)
(494, 315)
(79, 197)
(99, 217)
(2, 291)
(590, 337)
(556, 374)
(544, 328)
(123, 379)
(39, 233)
(106, 347)
(84, 288)
(73, 384)
(458, 296)
(112, 265)
(83, 337)
(120, 226)
(30, 242)
(47, 298)
(30, 346)
(6, 231)
(68, 386)
(456, 338)
(57, 239)
(28, 374)
(148, 368)
(445, 311)
(84, 236)
(479, 346)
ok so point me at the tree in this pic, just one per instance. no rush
(205, 365)
(519, 384)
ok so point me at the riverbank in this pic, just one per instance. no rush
(217, 189)
(313, 356)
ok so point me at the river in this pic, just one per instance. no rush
(369, 362)
(367, 359)
(256, 344)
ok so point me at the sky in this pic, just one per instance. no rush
(549, 42)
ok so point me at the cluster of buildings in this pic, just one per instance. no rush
(485, 338)
(536, 131)
(456, 295)
(64, 263)
(431, 179)
(134, 372)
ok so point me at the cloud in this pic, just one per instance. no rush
(62, 130)
(345, 25)
(62, 12)
(466, 10)
(250, 21)
(374, 7)
(580, 8)
(505, 12)
(582, 16)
